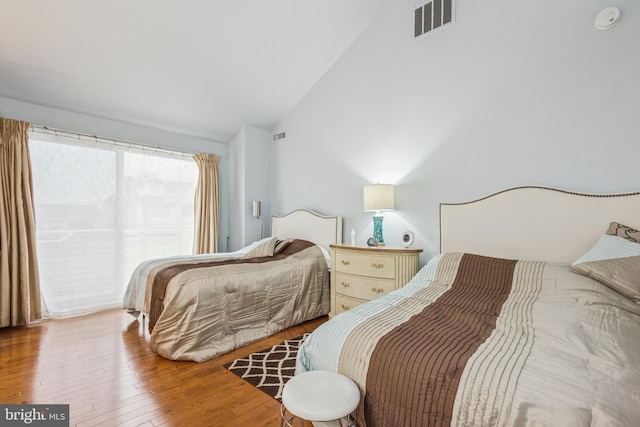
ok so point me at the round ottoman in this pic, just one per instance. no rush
(322, 397)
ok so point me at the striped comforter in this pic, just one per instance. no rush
(203, 306)
(475, 341)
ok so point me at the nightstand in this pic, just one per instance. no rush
(362, 273)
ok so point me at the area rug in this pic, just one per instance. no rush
(269, 369)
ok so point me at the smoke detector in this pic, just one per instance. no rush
(607, 18)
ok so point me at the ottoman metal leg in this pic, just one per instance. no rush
(288, 419)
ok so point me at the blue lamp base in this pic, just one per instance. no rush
(377, 229)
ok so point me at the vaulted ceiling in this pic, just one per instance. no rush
(198, 67)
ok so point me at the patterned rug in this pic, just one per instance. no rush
(269, 369)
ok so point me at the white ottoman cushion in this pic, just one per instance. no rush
(320, 396)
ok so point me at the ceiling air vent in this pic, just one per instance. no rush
(431, 16)
(277, 137)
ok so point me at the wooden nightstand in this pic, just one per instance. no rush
(362, 273)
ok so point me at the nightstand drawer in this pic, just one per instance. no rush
(361, 287)
(383, 267)
(345, 303)
(361, 273)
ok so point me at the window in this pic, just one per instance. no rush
(100, 211)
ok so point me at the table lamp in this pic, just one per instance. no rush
(378, 198)
(257, 211)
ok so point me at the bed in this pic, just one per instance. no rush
(201, 306)
(529, 316)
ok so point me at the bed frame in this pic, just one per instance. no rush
(308, 225)
(534, 223)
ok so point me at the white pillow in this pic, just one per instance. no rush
(615, 262)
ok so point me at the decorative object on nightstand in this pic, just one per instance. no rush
(378, 198)
(257, 211)
(407, 239)
(360, 274)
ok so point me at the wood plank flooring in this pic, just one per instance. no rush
(101, 365)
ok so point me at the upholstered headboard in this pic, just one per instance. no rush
(304, 224)
(534, 223)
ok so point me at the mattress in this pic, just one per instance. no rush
(201, 307)
(475, 340)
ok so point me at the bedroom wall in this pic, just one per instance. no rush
(235, 238)
(249, 158)
(513, 93)
(75, 122)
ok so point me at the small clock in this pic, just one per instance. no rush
(407, 239)
(372, 242)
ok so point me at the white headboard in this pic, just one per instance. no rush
(308, 225)
(534, 223)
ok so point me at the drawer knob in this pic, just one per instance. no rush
(377, 290)
(375, 265)
(343, 262)
(345, 284)
(345, 307)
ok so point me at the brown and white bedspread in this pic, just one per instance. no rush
(200, 307)
(479, 341)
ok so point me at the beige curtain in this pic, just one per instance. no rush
(20, 301)
(207, 204)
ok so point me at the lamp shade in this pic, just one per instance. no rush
(257, 208)
(379, 197)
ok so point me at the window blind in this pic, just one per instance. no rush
(102, 207)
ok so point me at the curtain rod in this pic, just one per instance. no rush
(110, 141)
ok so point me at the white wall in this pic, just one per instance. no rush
(258, 170)
(250, 154)
(514, 93)
(80, 123)
(237, 197)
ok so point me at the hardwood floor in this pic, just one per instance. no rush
(101, 365)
